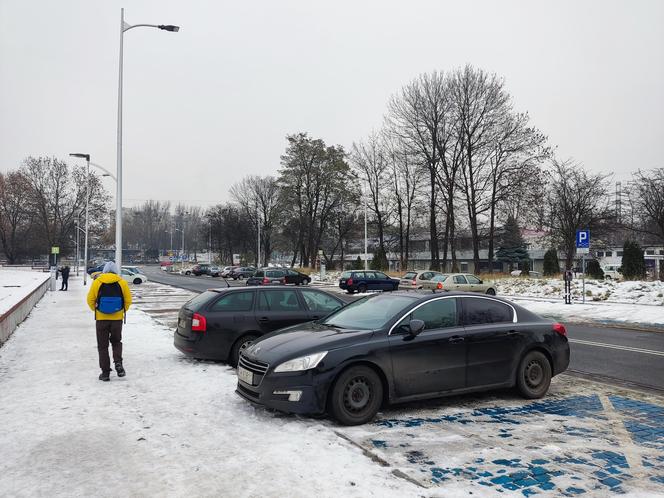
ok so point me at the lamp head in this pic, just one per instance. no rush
(169, 27)
(78, 154)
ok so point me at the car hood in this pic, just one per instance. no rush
(299, 340)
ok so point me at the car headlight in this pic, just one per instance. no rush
(302, 363)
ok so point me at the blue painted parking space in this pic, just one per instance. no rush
(584, 438)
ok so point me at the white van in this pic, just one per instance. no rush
(611, 272)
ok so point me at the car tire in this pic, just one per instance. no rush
(306, 281)
(241, 277)
(533, 376)
(356, 396)
(361, 288)
(395, 287)
(607, 277)
(187, 273)
(239, 346)
(491, 292)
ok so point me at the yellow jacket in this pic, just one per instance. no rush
(108, 278)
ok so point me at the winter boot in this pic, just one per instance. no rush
(105, 376)
(119, 369)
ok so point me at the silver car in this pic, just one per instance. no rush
(459, 282)
(415, 279)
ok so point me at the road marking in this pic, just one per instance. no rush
(615, 346)
(630, 450)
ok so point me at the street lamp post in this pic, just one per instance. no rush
(118, 196)
(182, 253)
(78, 258)
(87, 201)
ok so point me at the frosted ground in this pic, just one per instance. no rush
(175, 427)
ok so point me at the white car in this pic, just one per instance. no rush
(133, 269)
(185, 271)
(133, 278)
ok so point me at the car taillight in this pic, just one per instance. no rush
(282, 280)
(349, 281)
(414, 282)
(560, 328)
(266, 280)
(198, 323)
(439, 285)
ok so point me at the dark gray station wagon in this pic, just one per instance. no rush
(220, 323)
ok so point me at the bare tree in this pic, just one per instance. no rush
(648, 187)
(576, 200)
(15, 218)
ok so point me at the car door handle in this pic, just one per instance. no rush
(455, 339)
(316, 317)
(511, 332)
(263, 319)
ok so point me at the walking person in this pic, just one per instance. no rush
(109, 297)
(65, 278)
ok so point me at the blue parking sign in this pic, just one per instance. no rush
(582, 239)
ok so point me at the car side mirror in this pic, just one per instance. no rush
(415, 326)
(481, 281)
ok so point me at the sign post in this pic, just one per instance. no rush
(583, 248)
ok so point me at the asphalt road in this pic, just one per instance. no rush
(616, 355)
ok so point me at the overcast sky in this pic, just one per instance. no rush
(214, 102)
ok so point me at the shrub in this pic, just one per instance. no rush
(633, 263)
(525, 267)
(551, 264)
(379, 261)
(593, 269)
(357, 264)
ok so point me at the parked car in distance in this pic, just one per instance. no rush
(267, 277)
(612, 272)
(296, 277)
(226, 271)
(129, 276)
(413, 279)
(533, 274)
(465, 282)
(133, 269)
(186, 270)
(205, 269)
(242, 272)
(402, 347)
(219, 323)
(362, 281)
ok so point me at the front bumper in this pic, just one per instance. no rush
(312, 399)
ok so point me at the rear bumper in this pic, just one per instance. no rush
(561, 359)
(197, 349)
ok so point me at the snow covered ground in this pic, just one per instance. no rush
(15, 284)
(171, 427)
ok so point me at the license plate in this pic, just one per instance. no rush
(245, 376)
(181, 323)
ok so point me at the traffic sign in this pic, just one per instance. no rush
(55, 250)
(583, 239)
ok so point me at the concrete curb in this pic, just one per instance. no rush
(19, 312)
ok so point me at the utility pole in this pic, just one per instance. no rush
(258, 251)
(366, 256)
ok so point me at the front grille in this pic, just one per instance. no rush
(254, 366)
(248, 392)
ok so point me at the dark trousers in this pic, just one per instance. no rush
(65, 283)
(109, 331)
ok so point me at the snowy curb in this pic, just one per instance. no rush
(18, 312)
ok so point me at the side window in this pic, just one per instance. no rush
(426, 275)
(258, 274)
(292, 273)
(381, 275)
(358, 275)
(369, 275)
(317, 301)
(436, 314)
(459, 279)
(235, 301)
(472, 279)
(479, 310)
(279, 300)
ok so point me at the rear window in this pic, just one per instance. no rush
(346, 274)
(197, 301)
(410, 275)
(479, 310)
(235, 301)
(258, 274)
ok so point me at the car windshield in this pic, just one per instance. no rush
(410, 275)
(369, 313)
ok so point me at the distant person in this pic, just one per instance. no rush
(109, 297)
(65, 278)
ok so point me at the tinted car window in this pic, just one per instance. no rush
(381, 275)
(346, 274)
(369, 313)
(436, 314)
(317, 301)
(200, 299)
(472, 279)
(459, 279)
(479, 310)
(281, 300)
(258, 274)
(410, 275)
(235, 301)
(358, 274)
(275, 274)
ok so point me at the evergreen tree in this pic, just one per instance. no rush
(357, 264)
(593, 269)
(525, 268)
(511, 236)
(633, 262)
(379, 261)
(551, 263)
(512, 255)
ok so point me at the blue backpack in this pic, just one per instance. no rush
(110, 298)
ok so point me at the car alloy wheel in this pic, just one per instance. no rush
(362, 289)
(240, 345)
(534, 375)
(356, 396)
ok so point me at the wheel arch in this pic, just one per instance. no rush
(534, 347)
(242, 336)
(357, 363)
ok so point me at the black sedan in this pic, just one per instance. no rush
(402, 347)
(267, 277)
(219, 323)
(297, 278)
